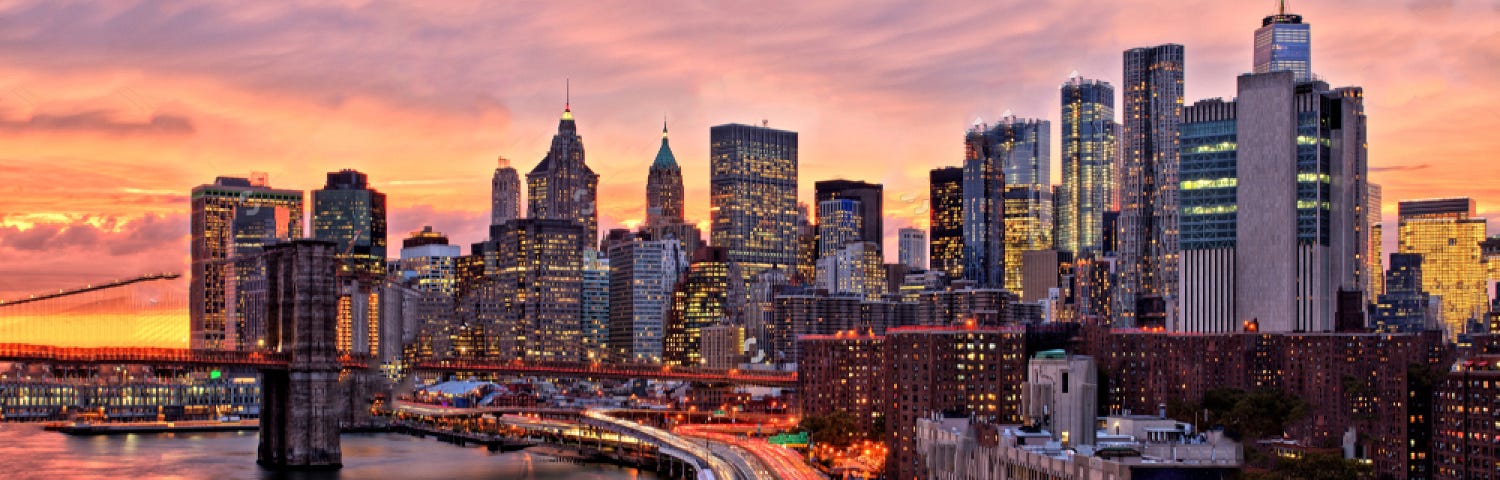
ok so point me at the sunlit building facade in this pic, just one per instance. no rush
(234, 218)
(753, 196)
(505, 194)
(946, 221)
(1374, 256)
(1447, 234)
(1148, 181)
(1088, 164)
(350, 214)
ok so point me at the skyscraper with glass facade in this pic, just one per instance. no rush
(1403, 306)
(983, 210)
(1088, 162)
(753, 196)
(429, 262)
(1024, 149)
(1284, 44)
(700, 301)
(946, 220)
(594, 330)
(1447, 234)
(233, 219)
(562, 186)
(350, 214)
(1208, 203)
(643, 278)
(505, 194)
(1148, 182)
(839, 222)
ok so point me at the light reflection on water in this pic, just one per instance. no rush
(30, 452)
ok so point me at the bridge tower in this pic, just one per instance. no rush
(299, 417)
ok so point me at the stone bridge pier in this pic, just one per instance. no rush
(301, 404)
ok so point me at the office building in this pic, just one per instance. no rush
(642, 280)
(946, 221)
(753, 196)
(233, 219)
(983, 209)
(505, 194)
(1208, 178)
(534, 303)
(1284, 44)
(871, 198)
(594, 330)
(1447, 234)
(1088, 161)
(840, 222)
(1022, 150)
(1404, 305)
(664, 192)
(701, 300)
(912, 250)
(723, 346)
(562, 186)
(1148, 182)
(350, 214)
(856, 269)
(429, 263)
(1375, 252)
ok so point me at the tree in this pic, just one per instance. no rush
(1260, 414)
(839, 429)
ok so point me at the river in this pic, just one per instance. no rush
(30, 452)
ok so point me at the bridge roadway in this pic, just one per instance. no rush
(622, 371)
(20, 352)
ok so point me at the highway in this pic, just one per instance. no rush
(783, 463)
(710, 465)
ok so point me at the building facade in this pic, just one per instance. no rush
(946, 221)
(842, 372)
(840, 222)
(1088, 164)
(350, 214)
(753, 195)
(912, 250)
(1404, 305)
(594, 317)
(1284, 44)
(701, 300)
(1149, 136)
(871, 198)
(983, 210)
(233, 219)
(1207, 218)
(642, 280)
(1447, 234)
(664, 192)
(536, 306)
(505, 194)
(562, 186)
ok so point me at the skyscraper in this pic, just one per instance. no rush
(642, 280)
(1373, 255)
(1148, 252)
(562, 186)
(1284, 43)
(1088, 177)
(839, 222)
(912, 251)
(429, 262)
(1021, 148)
(1403, 306)
(505, 194)
(536, 267)
(753, 196)
(983, 210)
(946, 220)
(871, 204)
(700, 301)
(350, 214)
(595, 317)
(664, 194)
(1447, 234)
(234, 218)
(1208, 203)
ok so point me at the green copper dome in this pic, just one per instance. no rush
(664, 157)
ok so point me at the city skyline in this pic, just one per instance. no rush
(112, 129)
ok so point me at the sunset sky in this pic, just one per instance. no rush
(110, 112)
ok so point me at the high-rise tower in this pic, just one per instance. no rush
(1148, 249)
(1447, 233)
(946, 217)
(1284, 43)
(753, 196)
(1088, 163)
(505, 194)
(233, 219)
(350, 214)
(562, 186)
(664, 196)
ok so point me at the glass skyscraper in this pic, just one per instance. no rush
(839, 223)
(1088, 163)
(234, 218)
(753, 196)
(1148, 237)
(946, 220)
(1208, 207)
(352, 215)
(983, 210)
(1447, 234)
(1284, 43)
(871, 204)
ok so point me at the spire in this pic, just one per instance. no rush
(663, 128)
(1281, 7)
(567, 99)
(664, 157)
